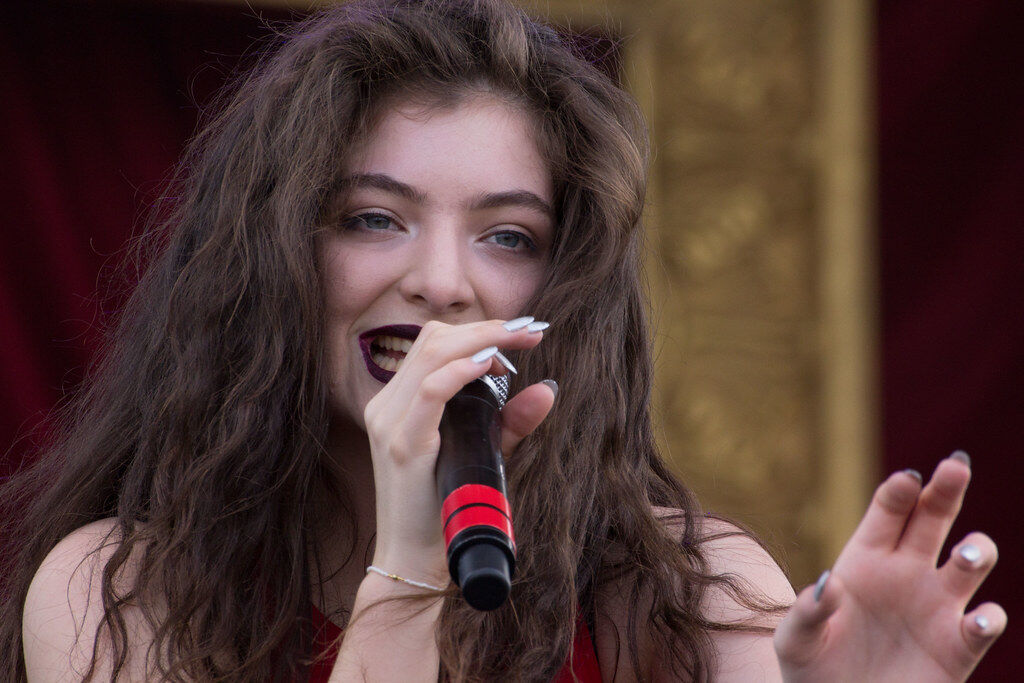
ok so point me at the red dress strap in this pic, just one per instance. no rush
(582, 660)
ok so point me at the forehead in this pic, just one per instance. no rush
(481, 143)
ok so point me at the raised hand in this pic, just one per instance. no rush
(886, 611)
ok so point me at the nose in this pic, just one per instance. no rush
(436, 277)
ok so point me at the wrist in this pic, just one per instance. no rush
(381, 598)
(420, 565)
(383, 585)
(373, 569)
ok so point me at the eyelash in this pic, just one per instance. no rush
(359, 222)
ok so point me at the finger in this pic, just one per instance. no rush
(444, 343)
(523, 413)
(424, 409)
(970, 562)
(980, 628)
(937, 508)
(804, 631)
(887, 514)
(439, 344)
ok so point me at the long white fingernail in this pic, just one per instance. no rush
(518, 323)
(506, 362)
(819, 587)
(971, 553)
(981, 621)
(537, 326)
(486, 354)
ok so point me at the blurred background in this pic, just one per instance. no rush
(835, 232)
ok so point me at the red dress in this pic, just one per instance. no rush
(583, 659)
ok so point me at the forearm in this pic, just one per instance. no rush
(388, 640)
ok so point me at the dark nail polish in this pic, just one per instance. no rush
(819, 587)
(961, 456)
(552, 384)
(915, 474)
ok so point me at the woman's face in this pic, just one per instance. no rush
(448, 218)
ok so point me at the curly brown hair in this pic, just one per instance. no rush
(202, 429)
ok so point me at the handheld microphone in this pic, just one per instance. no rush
(470, 474)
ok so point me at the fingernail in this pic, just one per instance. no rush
(486, 354)
(552, 384)
(819, 587)
(981, 621)
(961, 456)
(971, 553)
(506, 362)
(915, 474)
(518, 323)
(537, 326)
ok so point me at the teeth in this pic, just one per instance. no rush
(386, 362)
(389, 343)
(394, 343)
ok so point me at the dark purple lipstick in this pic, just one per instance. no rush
(367, 338)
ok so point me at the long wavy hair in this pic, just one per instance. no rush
(202, 428)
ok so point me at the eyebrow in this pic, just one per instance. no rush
(487, 200)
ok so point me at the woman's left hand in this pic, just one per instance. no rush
(886, 612)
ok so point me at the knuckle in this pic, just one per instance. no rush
(431, 328)
(431, 352)
(432, 388)
(399, 451)
(944, 490)
(938, 502)
(894, 498)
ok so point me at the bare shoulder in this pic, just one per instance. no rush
(731, 551)
(64, 607)
(740, 655)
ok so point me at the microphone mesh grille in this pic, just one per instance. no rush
(500, 384)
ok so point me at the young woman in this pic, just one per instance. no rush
(401, 189)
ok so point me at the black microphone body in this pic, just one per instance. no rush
(471, 485)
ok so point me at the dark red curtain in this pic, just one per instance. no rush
(98, 99)
(951, 218)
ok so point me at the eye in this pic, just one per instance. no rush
(516, 241)
(373, 222)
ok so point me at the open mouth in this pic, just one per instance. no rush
(384, 348)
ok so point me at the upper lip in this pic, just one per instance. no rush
(403, 331)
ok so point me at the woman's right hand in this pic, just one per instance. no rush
(402, 423)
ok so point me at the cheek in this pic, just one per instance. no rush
(517, 288)
(348, 284)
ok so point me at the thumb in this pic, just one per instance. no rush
(524, 412)
(804, 631)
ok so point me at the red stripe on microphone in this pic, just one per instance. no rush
(477, 515)
(472, 494)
